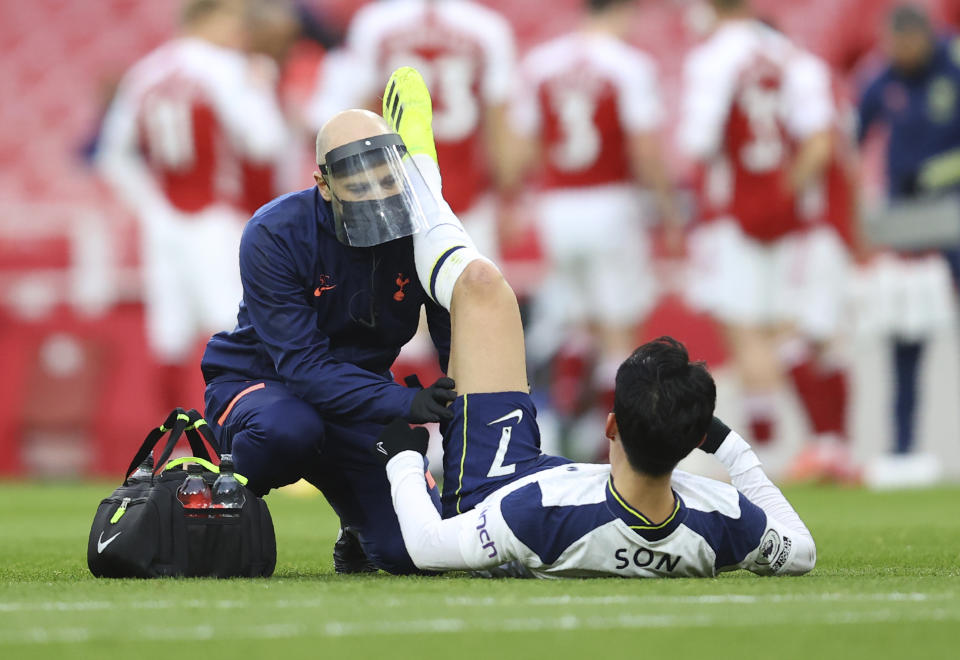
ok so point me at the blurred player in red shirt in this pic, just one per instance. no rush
(190, 143)
(467, 56)
(758, 116)
(590, 110)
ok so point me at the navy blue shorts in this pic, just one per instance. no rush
(492, 440)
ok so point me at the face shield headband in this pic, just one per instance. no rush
(373, 191)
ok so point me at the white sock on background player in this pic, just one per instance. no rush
(444, 249)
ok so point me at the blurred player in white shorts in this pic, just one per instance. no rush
(590, 110)
(758, 116)
(191, 143)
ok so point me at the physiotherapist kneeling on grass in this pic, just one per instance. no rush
(302, 386)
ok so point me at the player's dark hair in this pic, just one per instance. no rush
(908, 18)
(597, 6)
(663, 403)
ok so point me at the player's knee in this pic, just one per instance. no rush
(482, 281)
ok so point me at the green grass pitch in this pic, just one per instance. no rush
(887, 585)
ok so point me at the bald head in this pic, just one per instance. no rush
(348, 126)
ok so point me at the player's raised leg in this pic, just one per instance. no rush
(486, 340)
(494, 419)
(487, 351)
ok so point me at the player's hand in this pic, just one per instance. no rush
(716, 434)
(398, 437)
(430, 403)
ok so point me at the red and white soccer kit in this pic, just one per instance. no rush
(467, 56)
(190, 143)
(585, 95)
(749, 97)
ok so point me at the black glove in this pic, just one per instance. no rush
(430, 403)
(398, 437)
(716, 434)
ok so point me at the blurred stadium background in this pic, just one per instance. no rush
(79, 385)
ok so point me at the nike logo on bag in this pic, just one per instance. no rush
(381, 449)
(102, 545)
(514, 414)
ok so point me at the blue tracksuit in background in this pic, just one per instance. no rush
(922, 112)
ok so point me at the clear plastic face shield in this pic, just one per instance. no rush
(373, 191)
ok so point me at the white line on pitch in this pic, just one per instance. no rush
(486, 601)
(48, 635)
(724, 599)
(718, 599)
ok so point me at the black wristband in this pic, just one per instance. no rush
(717, 432)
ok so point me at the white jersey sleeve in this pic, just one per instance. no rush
(477, 539)
(639, 103)
(118, 157)
(704, 105)
(242, 89)
(808, 99)
(786, 547)
(703, 110)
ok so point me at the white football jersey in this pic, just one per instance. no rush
(570, 521)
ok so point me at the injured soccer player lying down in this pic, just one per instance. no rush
(508, 509)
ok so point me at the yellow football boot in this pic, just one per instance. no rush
(409, 111)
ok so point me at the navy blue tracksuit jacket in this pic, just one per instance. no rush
(326, 319)
(922, 111)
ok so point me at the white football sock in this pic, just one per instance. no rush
(430, 172)
(444, 249)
